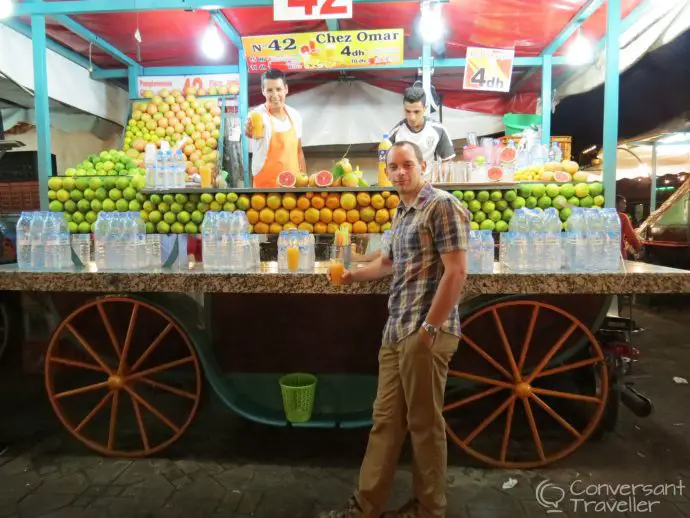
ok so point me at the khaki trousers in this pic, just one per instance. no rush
(410, 397)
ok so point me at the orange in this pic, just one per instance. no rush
(296, 216)
(289, 226)
(374, 228)
(363, 199)
(303, 203)
(306, 226)
(353, 215)
(367, 214)
(289, 201)
(267, 215)
(333, 201)
(332, 228)
(377, 201)
(339, 216)
(318, 202)
(348, 201)
(326, 215)
(324, 194)
(261, 228)
(359, 227)
(252, 216)
(258, 201)
(385, 194)
(392, 201)
(311, 215)
(309, 195)
(282, 216)
(275, 228)
(320, 228)
(273, 201)
(382, 216)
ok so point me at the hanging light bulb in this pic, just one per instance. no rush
(581, 51)
(6, 9)
(431, 25)
(212, 44)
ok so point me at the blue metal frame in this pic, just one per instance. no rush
(39, 9)
(41, 106)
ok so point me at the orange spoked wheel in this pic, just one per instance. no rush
(123, 377)
(530, 385)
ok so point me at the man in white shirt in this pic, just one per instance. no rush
(431, 137)
(280, 148)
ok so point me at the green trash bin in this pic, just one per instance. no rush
(517, 122)
(298, 390)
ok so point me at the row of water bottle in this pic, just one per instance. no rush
(227, 244)
(296, 251)
(165, 167)
(593, 241)
(43, 242)
(480, 257)
(120, 242)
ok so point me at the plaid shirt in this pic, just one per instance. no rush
(434, 224)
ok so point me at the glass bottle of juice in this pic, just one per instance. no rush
(384, 146)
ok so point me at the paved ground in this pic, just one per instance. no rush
(228, 467)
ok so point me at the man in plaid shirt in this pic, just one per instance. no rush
(428, 267)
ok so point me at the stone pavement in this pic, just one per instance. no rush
(228, 467)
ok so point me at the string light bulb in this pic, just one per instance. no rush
(212, 45)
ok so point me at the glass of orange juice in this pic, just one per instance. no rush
(205, 173)
(336, 270)
(257, 124)
(293, 258)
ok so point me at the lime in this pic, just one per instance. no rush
(55, 206)
(169, 218)
(177, 228)
(162, 227)
(191, 228)
(155, 216)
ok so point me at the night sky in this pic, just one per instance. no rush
(653, 91)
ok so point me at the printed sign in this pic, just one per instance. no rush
(311, 9)
(211, 84)
(324, 50)
(488, 69)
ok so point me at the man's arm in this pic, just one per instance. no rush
(302, 160)
(377, 269)
(629, 233)
(449, 288)
(445, 150)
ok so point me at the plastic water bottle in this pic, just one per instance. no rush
(283, 239)
(101, 237)
(51, 243)
(37, 246)
(576, 242)
(209, 241)
(65, 244)
(160, 170)
(555, 153)
(553, 253)
(474, 253)
(487, 247)
(151, 164)
(24, 240)
(180, 169)
(612, 239)
(535, 239)
(596, 257)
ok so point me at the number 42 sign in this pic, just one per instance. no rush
(488, 69)
(311, 9)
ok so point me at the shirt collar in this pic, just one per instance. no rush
(422, 198)
(416, 131)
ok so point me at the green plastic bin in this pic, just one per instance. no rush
(298, 390)
(517, 122)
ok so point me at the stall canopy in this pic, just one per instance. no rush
(531, 27)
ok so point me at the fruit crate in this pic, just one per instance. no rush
(566, 143)
(19, 196)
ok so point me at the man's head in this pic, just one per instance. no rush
(414, 103)
(621, 203)
(405, 165)
(274, 87)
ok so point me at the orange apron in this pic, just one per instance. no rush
(282, 155)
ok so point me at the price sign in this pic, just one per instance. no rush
(488, 69)
(324, 50)
(311, 9)
(212, 84)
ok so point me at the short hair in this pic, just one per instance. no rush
(273, 73)
(620, 198)
(414, 94)
(417, 150)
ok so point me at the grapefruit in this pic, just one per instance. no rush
(508, 154)
(562, 177)
(323, 178)
(286, 179)
(495, 174)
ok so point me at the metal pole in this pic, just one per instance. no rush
(611, 91)
(41, 107)
(546, 106)
(243, 108)
(652, 194)
(133, 82)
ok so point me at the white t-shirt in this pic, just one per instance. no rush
(259, 148)
(432, 139)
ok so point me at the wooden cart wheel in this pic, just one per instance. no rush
(123, 377)
(516, 366)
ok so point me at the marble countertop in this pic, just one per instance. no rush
(633, 278)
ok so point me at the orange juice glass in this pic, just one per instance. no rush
(205, 173)
(257, 125)
(293, 258)
(336, 270)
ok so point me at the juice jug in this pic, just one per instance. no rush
(384, 146)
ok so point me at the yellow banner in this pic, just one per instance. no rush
(324, 50)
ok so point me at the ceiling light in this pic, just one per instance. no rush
(581, 51)
(431, 25)
(6, 8)
(212, 44)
